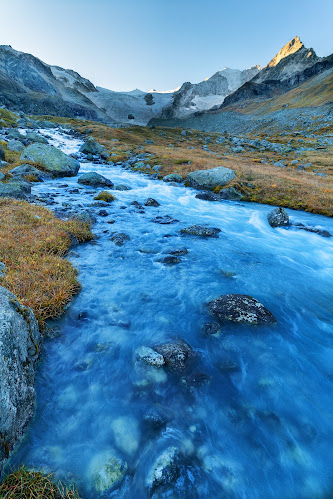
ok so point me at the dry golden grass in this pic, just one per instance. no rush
(271, 184)
(33, 243)
(28, 484)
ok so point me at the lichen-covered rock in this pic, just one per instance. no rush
(278, 218)
(95, 180)
(176, 354)
(173, 177)
(19, 346)
(152, 202)
(51, 160)
(15, 189)
(15, 145)
(240, 308)
(150, 357)
(91, 147)
(165, 469)
(107, 470)
(24, 170)
(208, 179)
(201, 230)
(119, 238)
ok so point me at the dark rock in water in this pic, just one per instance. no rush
(85, 216)
(19, 346)
(176, 354)
(211, 328)
(95, 180)
(195, 380)
(240, 308)
(166, 468)
(122, 187)
(164, 220)
(51, 160)
(83, 316)
(120, 238)
(201, 230)
(320, 232)
(102, 213)
(208, 196)
(171, 260)
(178, 252)
(278, 218)
(91, 147)
(154, 421)
(173, 177)
(137, 205)
(151, 202)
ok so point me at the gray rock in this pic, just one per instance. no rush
(166, 220)
(122, 187)
(173, 177)
(157, 168)
(278, 218)
(165, 469)
(209, 179)
(95, 180)
(151, 202)
(201, 230)
(178, 252)
(2, 153)
(35, 137)
(176, 354)
(15, 145)
(240, 308)
(2, 270)
(120, 238)
(24, 170)
(19, 346)
(15, 189)
(231, 194)
(91, 147)
(170, 260)
(150, 357)
(2, 176)
(211, 328)
(51, 160)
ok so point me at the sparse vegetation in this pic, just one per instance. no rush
(105, 196)
(33, 243)
(29, 484)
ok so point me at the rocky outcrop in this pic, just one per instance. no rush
(241, 309)
(51, 160)
(209, 179)
(19, 347)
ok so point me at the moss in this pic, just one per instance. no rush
(105, 196)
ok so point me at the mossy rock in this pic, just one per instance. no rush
(51, 160)
(104, 196)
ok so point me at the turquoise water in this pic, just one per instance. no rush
(262, 429)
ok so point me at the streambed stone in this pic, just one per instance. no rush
(278, 218)
(51, 160)
(201, 230)
(165, 469)
(107, 470)
(150, 357)
(241, 309)
(176, 354)
(95, 180)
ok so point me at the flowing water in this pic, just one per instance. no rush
(261, 426)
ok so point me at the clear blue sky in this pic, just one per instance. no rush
(124, 44)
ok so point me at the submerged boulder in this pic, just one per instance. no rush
(51, 160)
(107, 470)
(119, 238)
(165, 469)
(240, 308)
(95, 180)
(278, 218)
(19, 346)
(201, 230)
(209, 179)
(176, 354)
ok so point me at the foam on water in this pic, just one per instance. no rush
(261, 430)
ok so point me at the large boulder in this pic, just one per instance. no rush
(91, 147)
(17, 189)
(241, 309)
(278, 218)
(176, 354)
(95, 180)
(19, 346)
(15, 145)
(208, 179)
(51, 160)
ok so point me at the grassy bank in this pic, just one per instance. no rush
(29, 484)
(33, 243)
